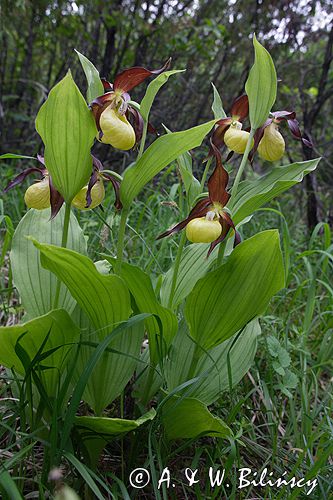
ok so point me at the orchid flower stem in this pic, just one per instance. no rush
(243, 163)
(65, 228)
(205, 173)
(143, 139)
(176, 268)
(121, 238)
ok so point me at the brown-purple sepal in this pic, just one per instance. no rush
(130, 78)
(218, 181)
(137, 123)
(21, 177)
(240, 108)
(56, 200)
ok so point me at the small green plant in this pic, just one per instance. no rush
(91, 330)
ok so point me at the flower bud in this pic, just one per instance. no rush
(202, 230)
(38, 195)
(117, 131)
(236, 139)
(97, 196)
(272, 145)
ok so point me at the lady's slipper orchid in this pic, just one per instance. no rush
(209, 221)
(269, 141)
(229, 131)
(112, 109)
(43, 194)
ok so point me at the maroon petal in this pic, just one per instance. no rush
(200, 210)
(116, 186)
(296, 132)
(218, 134)
(21, 177)
(218, 181)
(92, 181)
(56, 200)
(137, 123)
(240, 108)
(257, 138)
(225, 231)
(107, 85)
(130, 78)
(284, 115)
(152, 129)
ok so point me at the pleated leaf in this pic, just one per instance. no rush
(160, 154)
(226, 299)
(61, 333)
(105, 299)
(189, 418)
(212, 368)
(95, 86)
(36, 285)
(261, 85)
(110, 427)
(194, 265)
(152, 90)
(116, 367)
(139, 284)
(67, 128)
(252, 195)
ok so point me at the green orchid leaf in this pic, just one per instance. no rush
(68, 129)
(160, 154)
(191, 184)
(225, 300)
(96, 432)
(152, 90)
(252, 195)
(116, 366)
(15, 156)
(217, 106)
(95, 86)
(110, 427)
(261, 86)
(211, 369)
(104, 299)
(62, 336)
(36, 285)
(189, 418)
(139, 284)
(194, 264)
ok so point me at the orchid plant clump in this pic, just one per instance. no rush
(91, 329)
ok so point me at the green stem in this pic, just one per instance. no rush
(243, 163)
(143, 139)
(176, 268)
(121, 239)
(205, 173)
(63, 244)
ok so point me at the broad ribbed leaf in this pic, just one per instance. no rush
(62, 334)
(95, 86)
(194, 264)
(67, 129)
(110, 427)
(152, 90)
(36, 285)
(190, 418)
(140, 286)
(226, 299)
(261, 86)
(212, 369)
(252, 195)
(160, 154)
(117, 365)
(105, 299)
(217, 106)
